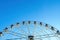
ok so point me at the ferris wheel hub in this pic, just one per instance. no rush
(31, 37)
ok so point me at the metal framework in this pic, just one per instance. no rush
(30, 30)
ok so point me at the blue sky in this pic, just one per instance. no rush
(12, 11)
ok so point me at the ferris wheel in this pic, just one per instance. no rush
(30, 30)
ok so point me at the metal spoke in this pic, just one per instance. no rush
(15, 38)
(28, 28)
(14, 33)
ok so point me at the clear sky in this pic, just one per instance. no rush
(12, 11)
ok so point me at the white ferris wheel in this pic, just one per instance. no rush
(30, 30)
